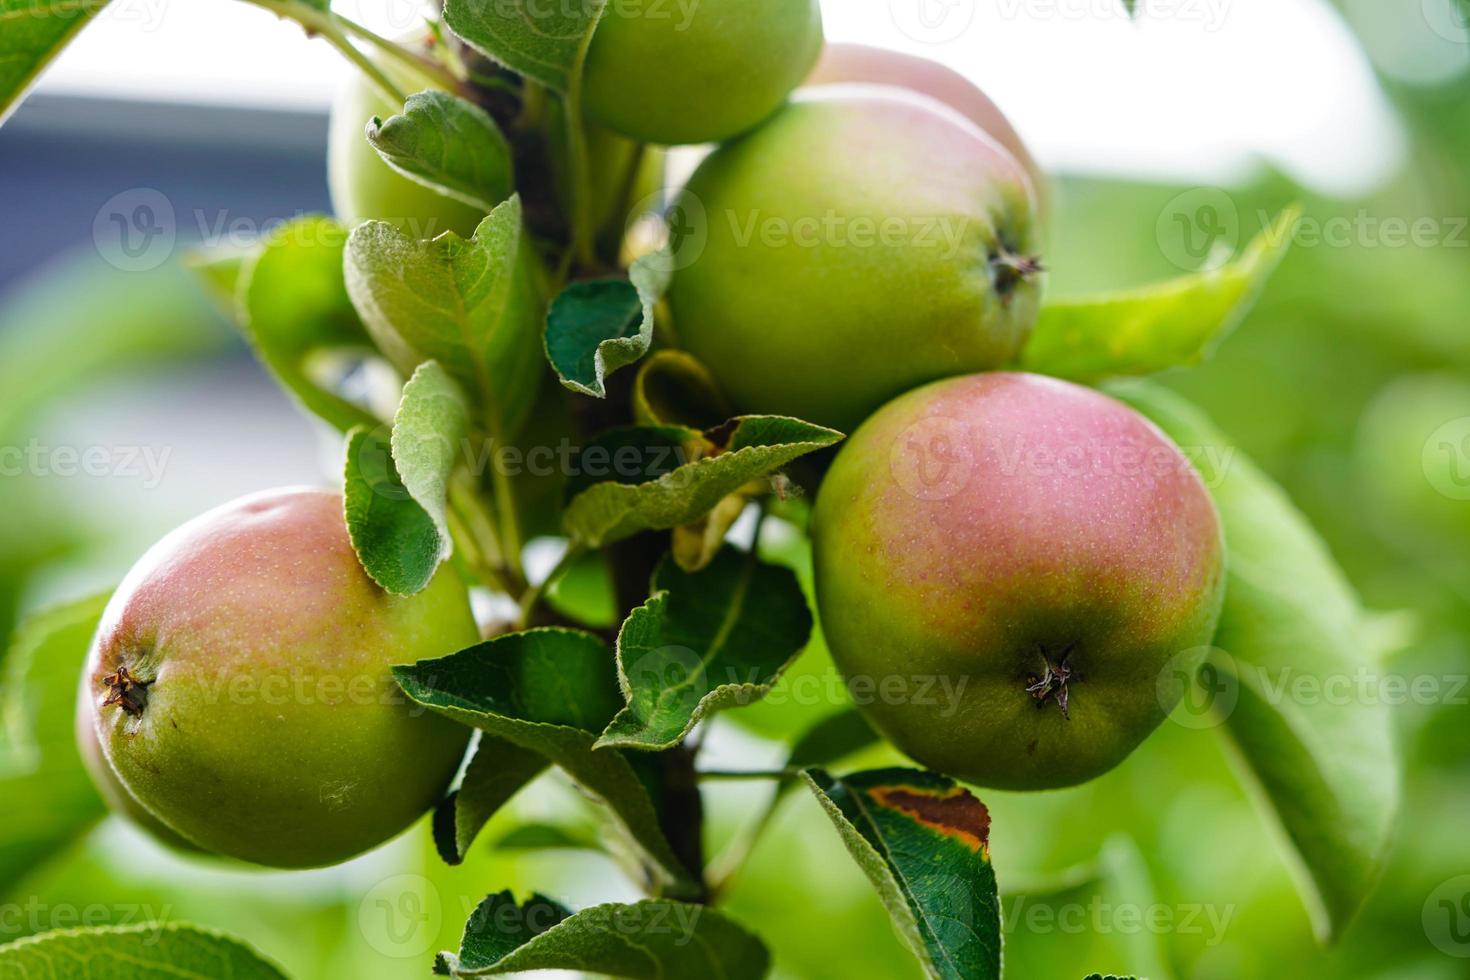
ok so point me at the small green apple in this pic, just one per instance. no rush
(239, 686)
(111, 789)
(1005, 567)
(364, 188)
(860, 243)
(858, 63)
(673, 74)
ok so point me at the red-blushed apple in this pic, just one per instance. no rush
(1005, 567)
(849, 63)
(859, 244)
(239, 686)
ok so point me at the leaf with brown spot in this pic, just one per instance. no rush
(924, 842)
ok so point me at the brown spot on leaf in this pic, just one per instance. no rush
(954, 812)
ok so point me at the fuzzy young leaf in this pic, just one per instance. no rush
(745, 449)
(654, 939)
(449, 144)
(499, 771)
(1158, 327)
(550, 692)
(395, 538)
(707, 641)
(142, 952)
(597, 326)
(1326, 770)
(35, 31)
(50, 800)
(474, 306)
(428, 439)
(924, 842)
(544, 42)
(294, 307)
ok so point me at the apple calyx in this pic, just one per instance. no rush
(1052, 684)
(127, 692)
(1010, 271)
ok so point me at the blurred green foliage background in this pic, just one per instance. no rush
(1356, 355)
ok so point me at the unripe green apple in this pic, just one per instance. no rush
(861, 243)
(364, 188)
(239, 686)
(674, 74)
(1005, 566)
(849, 63)
(111, 789)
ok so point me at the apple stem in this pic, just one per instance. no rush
(1010, 271)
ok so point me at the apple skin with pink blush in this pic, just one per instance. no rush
(239, 686)
(1006, 566)
(858, 63)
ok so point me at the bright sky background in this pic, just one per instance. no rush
(1197, 89)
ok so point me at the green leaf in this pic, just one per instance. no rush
(1131, 6)
(499, 771)
(597, 326)
(1325, 769)
(448, 144)
(745, 449)
(394, 537)
(924, 842)
(551, 692)
(548, 837)
(32, 32)
(1158, 327)
(143, 952)
(474, 306)
(50, 800)
(654, 939)
(707, 641)
(546, 42)
(294, 307)
(429, 434)
(674, 388)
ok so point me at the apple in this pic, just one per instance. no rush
(675, 74)
(1005, 567)
(858, 63)
(859, 244)
(365, 188)
(239, 686)
(111, 789)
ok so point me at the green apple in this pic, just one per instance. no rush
(673, 74)
(365, 188)
(859, 244)
(111, 789)
(239, 686)
(858, 63)
(1006, 567)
